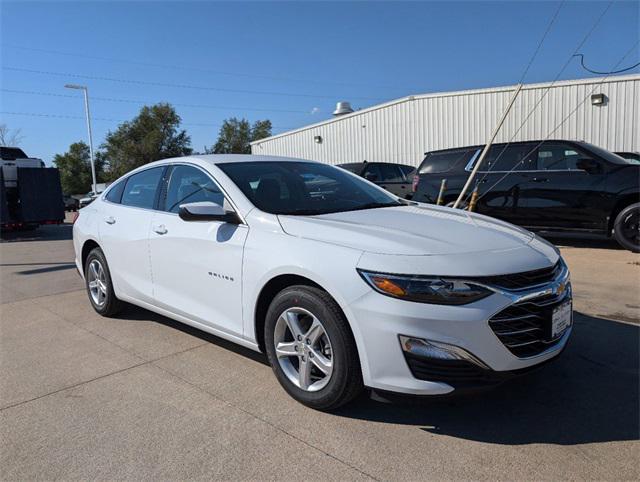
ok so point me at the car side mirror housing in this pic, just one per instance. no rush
(207, 211)
(589, 165)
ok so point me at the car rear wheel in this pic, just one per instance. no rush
(626, 228)
(311, 349)
(99, 286)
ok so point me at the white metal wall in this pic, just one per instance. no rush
(401, 131)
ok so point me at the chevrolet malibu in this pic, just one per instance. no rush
(342, 284)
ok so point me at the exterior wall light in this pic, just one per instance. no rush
(598, 99)
(317, 139)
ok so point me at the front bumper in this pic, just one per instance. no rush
(473, 328)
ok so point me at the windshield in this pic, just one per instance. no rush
(608, 155)
(305, 188)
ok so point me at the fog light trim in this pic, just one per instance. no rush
(437, 350)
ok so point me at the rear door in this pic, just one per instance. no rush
(561, 196)
(500, 181)
(126, 215)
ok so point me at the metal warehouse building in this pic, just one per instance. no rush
(403, 130)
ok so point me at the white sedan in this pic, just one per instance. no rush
(343, 285)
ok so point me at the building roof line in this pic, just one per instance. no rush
(486, 90)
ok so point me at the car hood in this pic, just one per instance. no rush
(409, 230)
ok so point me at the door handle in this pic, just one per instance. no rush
(110, 220)
(161, 229)
(540, 179)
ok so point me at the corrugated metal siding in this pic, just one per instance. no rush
(402, 131)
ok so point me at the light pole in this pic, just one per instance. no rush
(85, 90)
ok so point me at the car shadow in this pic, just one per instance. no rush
(588, 395)
(58, 232)
(583, 241)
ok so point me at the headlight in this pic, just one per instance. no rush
(425, 289)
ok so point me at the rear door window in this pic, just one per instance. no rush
(510, 157)
(141, 188)
(390, 173)
(443, 161)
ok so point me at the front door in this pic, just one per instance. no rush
(197, 265)
(560, 195)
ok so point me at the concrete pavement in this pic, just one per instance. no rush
(143, 397)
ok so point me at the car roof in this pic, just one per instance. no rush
(234, 158)
(479, 146)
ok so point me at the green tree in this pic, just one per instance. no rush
(75, 168)
(154, 134)
(236, 135)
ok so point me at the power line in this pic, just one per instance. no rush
(555, 129)
(147, 102)
(203, 70)
(604, 73)
(104, 119)
(544, 36)
(177, 86)
(546, 91)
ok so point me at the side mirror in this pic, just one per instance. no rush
(370, 176)
(207, 211)
(589, 165)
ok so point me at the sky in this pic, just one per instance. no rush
(289, 62)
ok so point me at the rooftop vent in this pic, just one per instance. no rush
(342, 108)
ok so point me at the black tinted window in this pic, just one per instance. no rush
(304, 188)
(188, 184)
(407, 170)
(115, 192)
(12, 153)
(354, 167)
(390, 173)
(140, 189)
(443, 161)
(555, 156)
(511, 157)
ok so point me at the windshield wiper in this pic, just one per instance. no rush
(375, 206)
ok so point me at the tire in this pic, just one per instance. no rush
(332, 341)
(101, 295)
(626, 228)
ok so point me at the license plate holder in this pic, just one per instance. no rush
(561, 319)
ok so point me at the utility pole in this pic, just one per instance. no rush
(487, 147)
(85, 90)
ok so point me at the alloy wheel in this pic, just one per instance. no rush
(97, 282)
(631, 227)
(303, 349)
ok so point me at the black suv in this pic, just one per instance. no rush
(553, 186)
(395, 178)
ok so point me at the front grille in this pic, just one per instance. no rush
(525, 328)
(525, 280)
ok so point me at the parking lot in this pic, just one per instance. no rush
(143, 397)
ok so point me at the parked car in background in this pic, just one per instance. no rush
(293, 258)
(395, 178)
(630, 156)
(88, 199)
(554, 186)
(70, 203)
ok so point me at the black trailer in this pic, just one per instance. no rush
(35, 200)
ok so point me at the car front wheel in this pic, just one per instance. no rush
(311, 349)
(626, 228)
